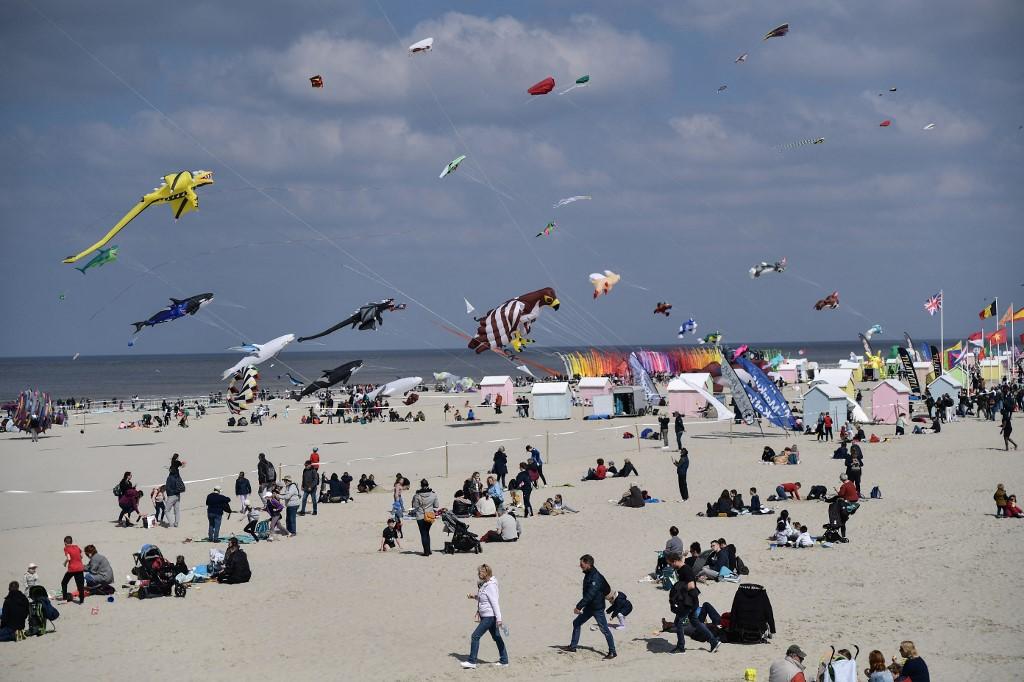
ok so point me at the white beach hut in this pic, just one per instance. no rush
(889, 399)
(551, 400)
(494, 386)
(825, 398)
(925, 372)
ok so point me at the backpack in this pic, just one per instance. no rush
(741, 568)
(118, 489)
(36, 620)
(876, 493)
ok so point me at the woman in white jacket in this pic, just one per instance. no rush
(488, 612)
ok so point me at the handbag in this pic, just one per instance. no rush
(429, 516)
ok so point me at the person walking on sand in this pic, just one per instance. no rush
(175, 487)
(828, 428)
(1006, 428)
(855, 465)
(266, 474)
(310, 481)
(73, 568)
(525, 486)
(682, 467)
(595, 587)
(488, 613)
(538, 462)
(684, 600)
(500, 466)
(424, 506)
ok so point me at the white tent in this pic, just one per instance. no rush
(551, 400)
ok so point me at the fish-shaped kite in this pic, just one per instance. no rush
(763, 266)
(831, 302)
(177, 308)
(453, 166)
(885, 124)
(548, 229)
(663, 308)
(722, 88)
(316, 81)
(603, 283)
(569, 200)
(369, 316)
(293, 380)
(875, 329)
(742, 58)
(102, 258)
(581, 82)
(543, 87)
(421, 46)
(258, 353)
(688, 327)
(330, 377)
(777, 32)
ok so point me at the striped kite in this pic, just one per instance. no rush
(243, 389)
(316, 81)
(509, 323)
(801, 143)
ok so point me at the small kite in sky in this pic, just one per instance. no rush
(777, 32)
(316, 81)
(421, 46)
(663, 308)
(831, 302)
(293, 380)
(885, 124)
(548, 229)
(722, 88)
(875, 329)
(742, 58)
(177, 308)
(469, 307)
(603, 283)
(801, 143)
(543, 87)
(451, 167)
(569, 200)
(763, 266)
(713, 338)
(581, 82)
(930, 126)
(102, 258)
(688, 327)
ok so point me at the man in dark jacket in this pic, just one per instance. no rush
(266, 473)
(595, 589)
(216, 505)
(310, 481)
(684, 600)
(242, 489)
(15, 613)
(236, 565)
(680, 430)
(682, 467)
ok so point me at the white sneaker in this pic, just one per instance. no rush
(468, 666)
(499, 664)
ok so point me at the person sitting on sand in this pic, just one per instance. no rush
(723, 507)
(847, 491)
(236, 565)
(598, 473)
(673, 544)
(634, 497)
(626, 470)
(755, 502)
(562, 506)
(860, 436)
(458, 416)
(876, 670)
(506, 531)
(718, 559)
(794, 455)
(804, 539)
(462, 507)
(768, 455)
(470, 415)
(548, 508)
(1013, 511)
(737, 501)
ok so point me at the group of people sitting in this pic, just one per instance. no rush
(789, 455)
(721, 562)
(1006, 505)
(601, 471)
(730, 503)
(791, 533)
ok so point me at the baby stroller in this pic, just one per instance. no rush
(463, 540)
(751, 620)
(840, 669)
(155, 574)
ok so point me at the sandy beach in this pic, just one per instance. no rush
(928, 562)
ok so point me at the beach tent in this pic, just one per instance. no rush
(825, 398)
(494, 386)
(889, 399)
(925, 372)
(684, 395)
(841, 378)
(597, 393)
(856, 412)
(551, 400)
(946, 385)
(628, 400)
(856, 368)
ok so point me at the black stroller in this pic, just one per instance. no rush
(463, 540)
(156, 575)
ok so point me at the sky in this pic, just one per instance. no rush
(326, 199)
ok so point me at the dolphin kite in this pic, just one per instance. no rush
(330, 377)
(177, 308)
(258, 353)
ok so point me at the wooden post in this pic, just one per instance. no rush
(547, 445)
(446, 459)
(636, 429)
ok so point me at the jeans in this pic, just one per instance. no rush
(602, 623)
(684, 491)
(306, 494)
(679, 440)
(780, 492)
(664, 437)
(487, 624)
(424, 535)
(696, 618)
(291, 514)
(540, 473)
(91, 580)
(173, 507)
(159, 510)
(79, 583)
(214, 532)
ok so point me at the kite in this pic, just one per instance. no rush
(875, 329)
(713, 338)
(102, 258)
(421, 46)
(569, 200)
(603, 283)
(738, 353)
(368, 316)
(61, 296)
(663, 308)
(411, 398)
(801, 143)
(581, 82)
(258, 353)
(178, 190)
(543, 87)
(396, 387)
(929, 126)
(177, 308)
(777, 266)
(76, 356)
(885, 124)
(469, 307)
(892, 89)
(243, 389)
(831, 302)
(330, 377)
(293, 380)
(777, 32)
(690, 326)
(722, 88)
(33, 406)
(451, 167)
(316, 81)
(548, 229)
(742, 58)
(509, 323)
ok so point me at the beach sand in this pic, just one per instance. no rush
(928, 562)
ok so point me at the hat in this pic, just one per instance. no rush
(287, 477)
(216, 488)
(33, 566)
(794, 650)
(316, 450)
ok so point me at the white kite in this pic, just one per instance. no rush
(929, 126)
(469, 307)
(396, 387)
(603, 283)
(569, 200)
(742, 58)
(258, 353)
(421, 46)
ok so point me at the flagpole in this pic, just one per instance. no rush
(942, 330)
(999, 360)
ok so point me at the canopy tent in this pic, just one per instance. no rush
(551, 400)
(889, 399)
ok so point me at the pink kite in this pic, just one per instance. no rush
(885, 124)
(543, 87)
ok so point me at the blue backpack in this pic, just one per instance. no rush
(876, 493)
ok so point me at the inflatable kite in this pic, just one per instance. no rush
(722, 88)
(316, 81)
(243, 389)
(258, 353)
(102, 258)
(603, 283)
(178, 190)
(451, 167)
(688, 327)
(421, 46)
(713, 338)
(581, 82)
(396, 387)
(831, 302)
(369, 316)
(777, 266)
(548, 229)
(411, 398)
(510, 323)
(777, 32)
(663, 308)
(177, 308)
(569, 200)
(330, 377)
(929, 126)
(33, 406)
(801, 143)
(543, 87)
(875, 329)
(885, 124)
(742, 58)
(291, 379)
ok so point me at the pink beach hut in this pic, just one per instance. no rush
(683, 396)
(596, 395)
(889, 399)
(494, 386)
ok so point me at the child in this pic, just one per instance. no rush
(562, 506)
(1012, 510)
(158, 495)
(274, 508)
(390, 537)
(620, 608)
(180, 567)
(804, 539)
(74, 569)
(31, 577)
(1000, 498)
(755, 502)
(253, 517)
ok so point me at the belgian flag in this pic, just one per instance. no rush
(989, 311)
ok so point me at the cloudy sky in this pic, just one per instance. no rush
(324, 199)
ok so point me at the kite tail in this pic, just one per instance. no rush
(81, 269)
(138, 325)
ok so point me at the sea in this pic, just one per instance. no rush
(108, 377)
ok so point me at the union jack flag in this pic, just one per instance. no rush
(933, 304)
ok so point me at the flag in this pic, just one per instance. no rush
(1018, 316)
(997, 337)
(933, 304)
(988, 311)
(1007, 316)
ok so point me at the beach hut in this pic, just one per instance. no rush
(841, 378)
(596, 395)
(825, 398)
(992, 369)
(810, 370)
(925, 372)
(889, 399)
(793, 371)
(856, 368)
(946, 385)
(628, 400)
(683, 396)
(494, 386)
(551, 400)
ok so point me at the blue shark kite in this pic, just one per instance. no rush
(178, 308)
